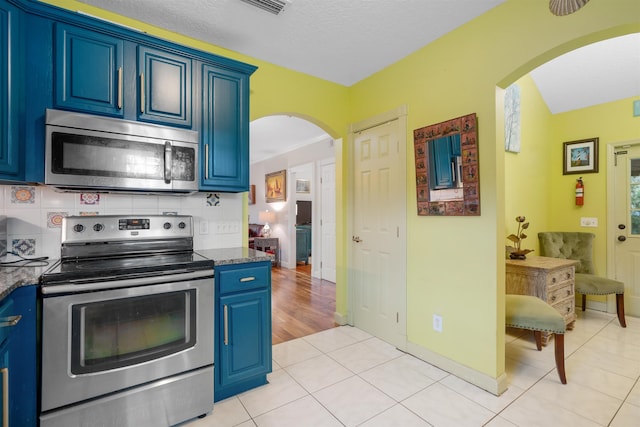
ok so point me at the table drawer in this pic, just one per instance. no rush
(244, 278)
(561, 292)
(561, 275)
(566, 307)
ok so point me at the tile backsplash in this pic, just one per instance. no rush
(34, 215)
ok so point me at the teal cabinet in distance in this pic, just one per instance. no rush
(11, 95)
(303, 243)
(225, 129)
(18, 356)
(243, 327)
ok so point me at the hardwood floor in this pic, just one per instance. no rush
(300, 304)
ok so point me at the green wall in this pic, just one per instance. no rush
(455, 265)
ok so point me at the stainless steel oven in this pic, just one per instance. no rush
(127, 325)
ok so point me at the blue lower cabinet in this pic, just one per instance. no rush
(243, 329)
(18, 364)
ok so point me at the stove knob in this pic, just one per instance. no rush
(78, 228)
(98, 227)
(167, 225)
(182, 225)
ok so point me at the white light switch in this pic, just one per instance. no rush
(588, 222)
(204, 227)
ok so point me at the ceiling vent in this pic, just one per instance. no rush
(273, 6)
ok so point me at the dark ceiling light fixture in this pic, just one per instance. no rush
(565, 7)
(272, 6)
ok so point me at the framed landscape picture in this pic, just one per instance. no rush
(580, 156)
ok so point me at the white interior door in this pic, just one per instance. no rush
(626, 240)
(328, 221)
(378, 246)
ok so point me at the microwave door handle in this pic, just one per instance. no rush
(168, 161)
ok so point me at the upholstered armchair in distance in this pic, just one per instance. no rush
(579, 246)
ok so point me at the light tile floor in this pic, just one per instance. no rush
(346, 377)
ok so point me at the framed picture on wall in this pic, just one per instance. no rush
(276, 186)
(252, 194)
(580, 156)
(303, 186)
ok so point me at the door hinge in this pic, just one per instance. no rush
(397, 231)
(397, 317)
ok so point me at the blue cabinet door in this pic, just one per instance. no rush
(225, 130)
(10, 93)
(441, 172)
(23, 358)
(243, 353)
(165, 86)
(88, 71)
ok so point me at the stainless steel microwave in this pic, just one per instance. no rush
(87, 152)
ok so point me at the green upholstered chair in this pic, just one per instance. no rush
(578, 246)
(529, 312)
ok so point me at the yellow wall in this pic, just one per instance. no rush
(612, 123)
(528, 173)
(455, 75)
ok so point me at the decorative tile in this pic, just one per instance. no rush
(89, 198)
(24, 246)
(213, 199)
(23, 194)
(54, 219)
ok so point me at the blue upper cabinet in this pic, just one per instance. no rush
(225, 130)
(10, 92)
(94, 75)
(88, 71)
(165, 87)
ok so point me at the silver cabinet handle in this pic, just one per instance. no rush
(9, 321)
(5, 396)
(168, 162)
(120, 88)
(142, 92)
(225, 310)
(247, 279)
(206, 161)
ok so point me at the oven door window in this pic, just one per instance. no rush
(124, 332)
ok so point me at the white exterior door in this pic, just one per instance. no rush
(626, 237)
(328, 221)
(378, 246)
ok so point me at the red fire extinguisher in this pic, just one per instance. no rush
(579, 192)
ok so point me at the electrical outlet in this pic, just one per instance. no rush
(588, 222)
(204, 227)
(437, 323)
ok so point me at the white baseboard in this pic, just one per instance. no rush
(340, 319)
(495, 386)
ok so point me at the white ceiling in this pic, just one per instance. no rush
(345, 41)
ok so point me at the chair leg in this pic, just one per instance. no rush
(620, 309)
(584, 302)
(559, 348)
(538, 337)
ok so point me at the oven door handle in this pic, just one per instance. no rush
(127, 283)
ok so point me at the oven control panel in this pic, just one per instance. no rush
(104, 228)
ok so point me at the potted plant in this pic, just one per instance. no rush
(517, 252)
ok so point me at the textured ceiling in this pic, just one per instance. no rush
(345, 41)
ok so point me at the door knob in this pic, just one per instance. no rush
(356, 239)
(621, 238)
(622, 226)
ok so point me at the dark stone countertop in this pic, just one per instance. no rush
(238, 255)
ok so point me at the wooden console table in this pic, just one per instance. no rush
(265, 243)
(550, 279)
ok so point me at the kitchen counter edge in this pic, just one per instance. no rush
(238, 255)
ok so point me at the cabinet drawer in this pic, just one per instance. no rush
(242, 279)
(561, 292)
(561, 275)
(566, 307)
